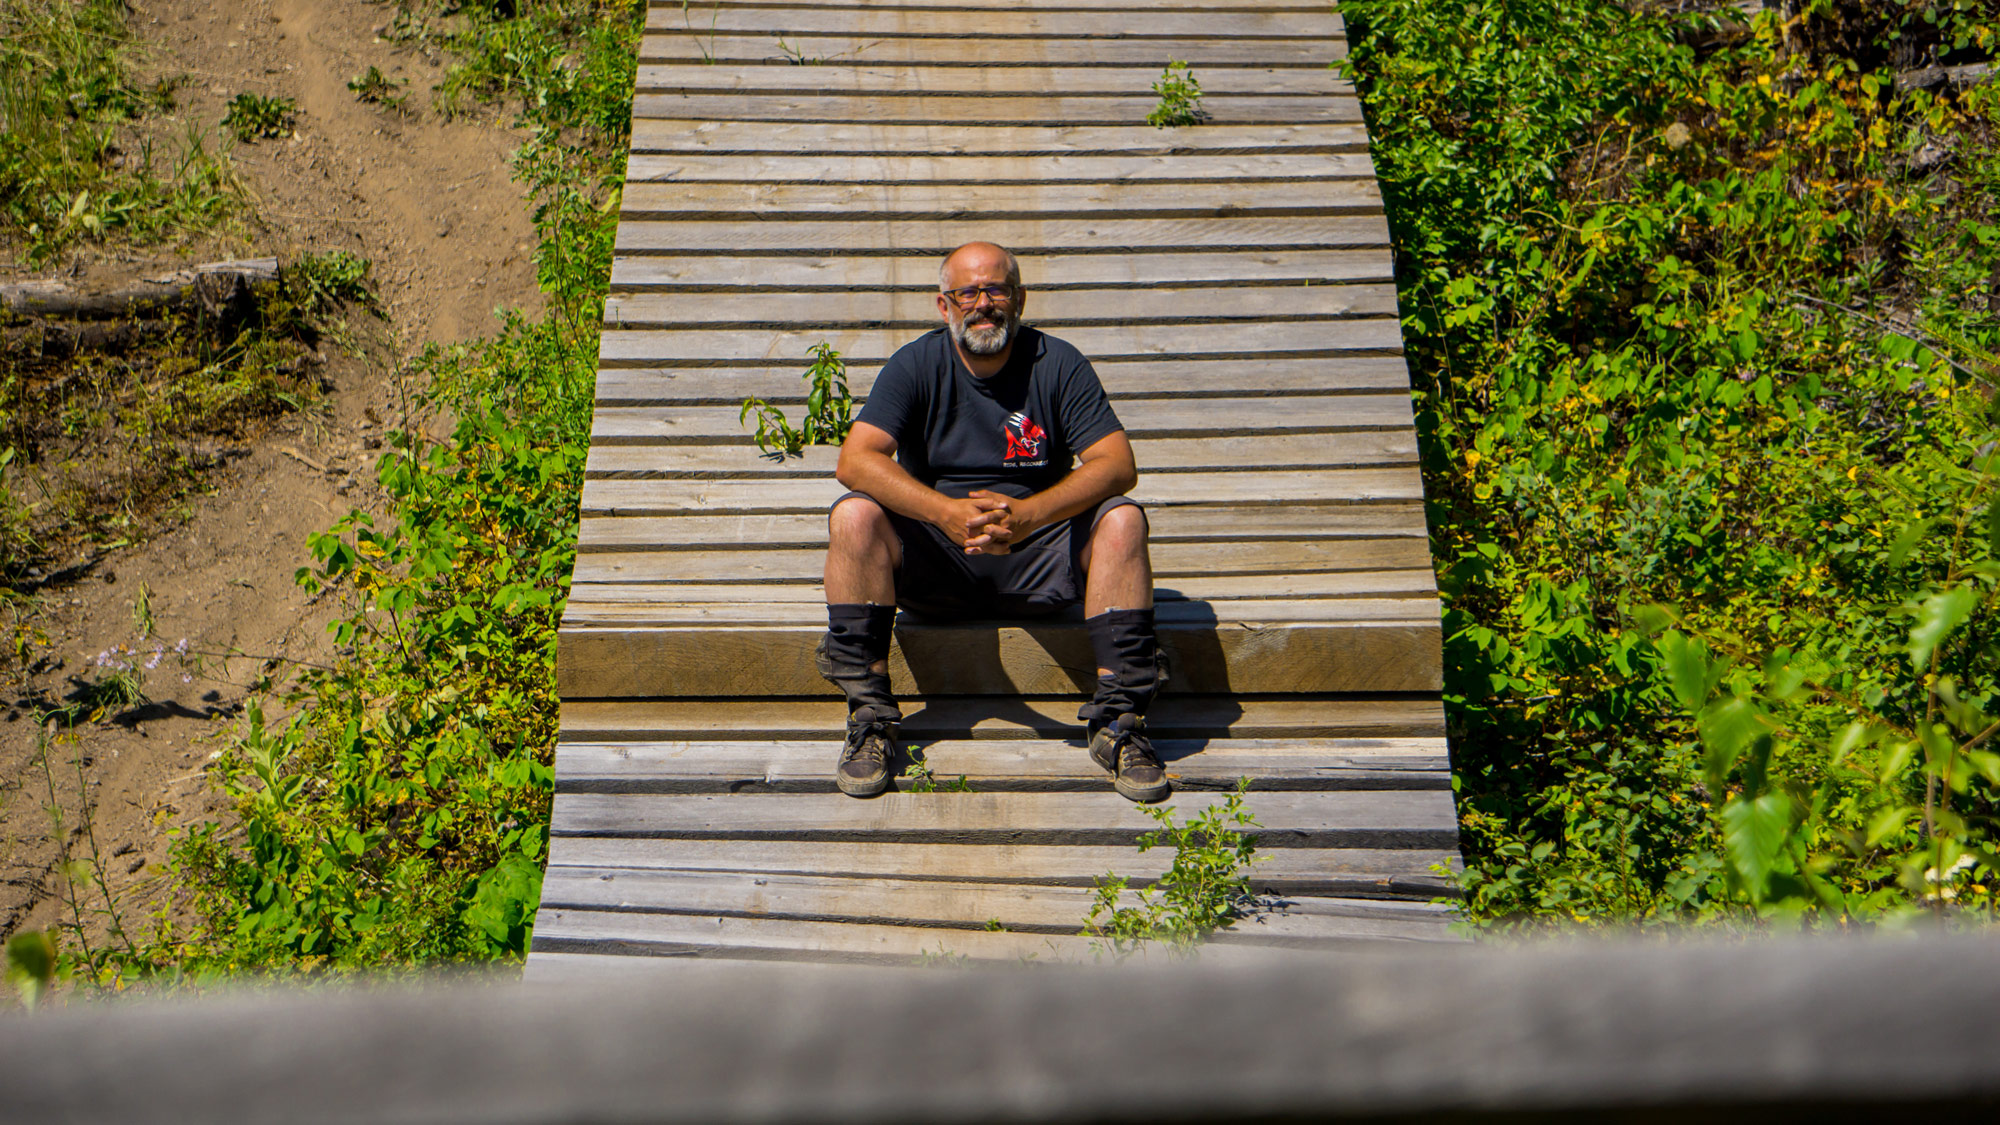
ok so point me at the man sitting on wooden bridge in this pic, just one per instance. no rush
(964, 504)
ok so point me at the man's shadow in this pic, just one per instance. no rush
(988, 669)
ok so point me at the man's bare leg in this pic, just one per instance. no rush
(1118, 610)
(861, 557)
(862, 554)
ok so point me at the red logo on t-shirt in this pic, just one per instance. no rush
(1024, 438)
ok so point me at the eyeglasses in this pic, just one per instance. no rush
(968, 296)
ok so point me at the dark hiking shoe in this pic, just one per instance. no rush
(1121, 746)
(864, 761)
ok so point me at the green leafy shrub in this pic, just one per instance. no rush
(376, 88)
(829, 408)
(1695, 321)
(1180, 98)
(1202, 890)
(257, 116)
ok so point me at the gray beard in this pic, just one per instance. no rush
(984, 339)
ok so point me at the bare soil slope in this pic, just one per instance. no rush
(431, 204)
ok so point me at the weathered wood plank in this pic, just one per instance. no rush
(657, 135)
(965, 112)
(1012, 908)
(669, 935)
(664, 610)
(1041, 275)
(1377, 872)
(1172, 528)
(936, 238)
(1187, 716)
(782, 380)
(989, 23)
(1357, 584)
(1157, 490)
(1132, 9)
(1148, 418)
(911, 201)
(918, 311)
(995, 767)
(873, 347)
(602, 560)
(1205, 55)
(877, 168)
(922, 80)
(1154, 455)
(1400, 655)
(1388, 818)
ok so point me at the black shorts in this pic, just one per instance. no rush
(1042, 575)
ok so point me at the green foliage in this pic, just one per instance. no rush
(1202, 890)
(922, 780)
(829, 408)
(1696, 320)
(254, 117)
(399, 813)
(75, 164)
(1180, 98)
(31, 963)
(376, 88)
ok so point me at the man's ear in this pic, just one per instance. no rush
(944, 313)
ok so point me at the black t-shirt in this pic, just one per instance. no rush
(1015, 433)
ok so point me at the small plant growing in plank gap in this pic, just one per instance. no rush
(922, 780)
(253, 117)
(1180, 98)
(1202, 890)
(829, 408)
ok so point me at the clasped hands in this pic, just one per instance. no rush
(987, 523)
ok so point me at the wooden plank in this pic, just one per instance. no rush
(919, 312)
(1253, 613)
(874, 346)
(877, 168)
(1012, 908)
(925, 81)
(1155, 455)
(1187, 716)
(1157, 490)
(990, 23)
(655, 135)
(668, 935)
(1041, 275)
(946, 109)
(1135, 9)
(915, 200)
(1389, 818)
(935, 238)
(999, 767)
(1173, 529)
(1378, 872)
(1204, 54)
(600, 560)
(1143, 418)
(1358, 584)
(716, 660)
(782, 381)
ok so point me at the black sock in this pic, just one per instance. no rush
(856, 637)
(1124, 642)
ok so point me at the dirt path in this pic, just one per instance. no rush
(431, 204)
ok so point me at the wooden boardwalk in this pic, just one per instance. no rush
(798, 169)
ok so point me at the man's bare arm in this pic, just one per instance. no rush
(1104, 470)
(868, 464)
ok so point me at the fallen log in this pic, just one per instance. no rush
(219, 289)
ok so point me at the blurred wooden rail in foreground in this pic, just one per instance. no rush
(1762, 1031)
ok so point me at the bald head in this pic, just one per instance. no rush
(974, 262)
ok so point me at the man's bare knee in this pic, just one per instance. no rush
(857, 524)
(1120, 533)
